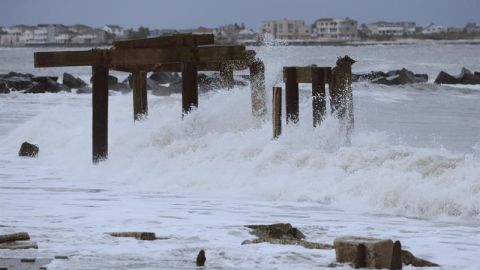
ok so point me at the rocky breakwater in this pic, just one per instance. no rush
(394, 77)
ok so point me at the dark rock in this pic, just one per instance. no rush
(28, 150)
(465, 77)
(445, 78)
(4, 88)
(149, 236)
(122, 87)
(400, 77)
(111, 80)
(129, 81)
(46, 85)
(360, 77)
(72, 82)
(85, 90)
(165, 77)
(45, 79)
(409, 259)
(17, 82)
(277, 231)
(201, 258)
(282, 234)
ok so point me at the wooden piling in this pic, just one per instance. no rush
(341, 93)
(277, 112)
(319, 76)
(189, 87)
(140, 105)
(99, 112)
(291, 95)
(258, 90)
(226, 75)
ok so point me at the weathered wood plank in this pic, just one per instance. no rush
(186, 40)
(142, 56)
(99, 113)
(189, 87)
(258, 90)
(291, 95)
(304, 74)
(140, 107)
(319, 77)
(14, 237)
(68, 58)
(277, 112)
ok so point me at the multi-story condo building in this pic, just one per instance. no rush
(286, 29)
(329, 29)
(391, 28)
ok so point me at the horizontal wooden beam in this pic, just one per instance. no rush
(134, 56)
(249, 57)
(304, 74)
(185, 40)
(68, 58)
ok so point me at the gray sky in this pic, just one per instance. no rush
(210, 13)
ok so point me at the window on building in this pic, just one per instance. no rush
(290, 27)
(280, 27)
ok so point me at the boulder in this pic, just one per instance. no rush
(85, 90)
(201, 258)
(465, 77)
(375, 253)
(46, 85)
(401, 77)
(122, 87)
(16, 82)
(277, 231)
(28, 150)
(162, 91)
(137, 235)
(282, 234)
(165, 77)
(72, 82)
(111, 80)
(4, 88)
(364, 252)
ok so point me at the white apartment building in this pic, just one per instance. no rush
(329, 29)
(16, 35)
(391, 28)
(286, 29)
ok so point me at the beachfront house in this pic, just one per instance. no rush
(285, 30)
(391, 28)
(329, 29)
(472, 28)
(16, 35)
(432, 28)
(116, 30)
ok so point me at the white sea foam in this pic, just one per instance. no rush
(221, 150)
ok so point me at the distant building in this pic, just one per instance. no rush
(233, 33)
(162, 32)
(114, 30)
(203, 30)
(432, 28)
(94, 37)
(335, 29)
(391, 28)
(286, 29)
(471, 28)
(80, 29)
(16, 35)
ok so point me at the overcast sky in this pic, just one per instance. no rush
(211, 13)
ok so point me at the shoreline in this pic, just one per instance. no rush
(292, 43)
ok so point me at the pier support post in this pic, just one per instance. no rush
(99, 113)
(277, 112)
(291, 95)
(140, 103)
(258, 91)
(319, 76)
(189, 87)
(226, 75)
(341, 93)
